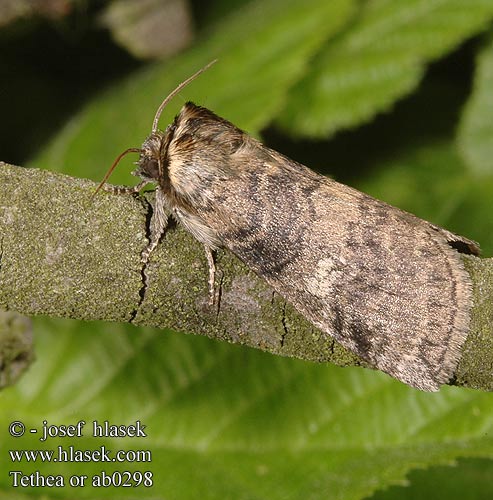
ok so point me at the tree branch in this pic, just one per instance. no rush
(63, 253)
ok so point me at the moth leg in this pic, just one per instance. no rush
(124, 189)
(159, 223)
(212, 274)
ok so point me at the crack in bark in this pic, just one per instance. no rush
(284, 324)
(332, 346)
(219, 292)
(143, 271)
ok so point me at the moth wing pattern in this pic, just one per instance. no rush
(384, 283)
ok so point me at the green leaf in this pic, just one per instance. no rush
(475, 136)
(262, 49)
(226, 422)
(381, 57)
(467, 480)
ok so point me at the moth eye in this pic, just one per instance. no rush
(148, 167)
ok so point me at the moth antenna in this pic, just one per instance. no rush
(115, 163)
(180, 87)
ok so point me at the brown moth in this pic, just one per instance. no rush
(385, 284)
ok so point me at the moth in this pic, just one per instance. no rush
(385, 284)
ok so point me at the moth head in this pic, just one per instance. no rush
(150, 164)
